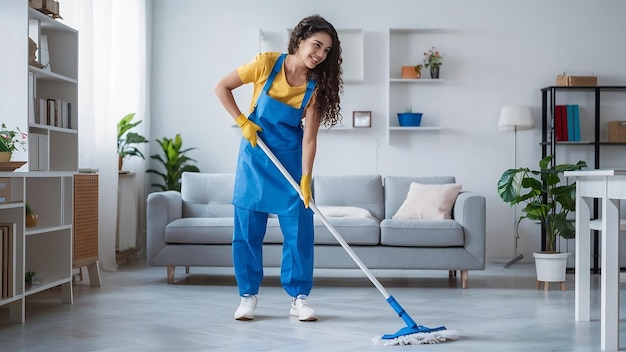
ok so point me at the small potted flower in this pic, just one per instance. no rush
(433, 59)
(11, 140)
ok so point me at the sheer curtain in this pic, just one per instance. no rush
(113, 69)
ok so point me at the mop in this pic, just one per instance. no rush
(411, 334)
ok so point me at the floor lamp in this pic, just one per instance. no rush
(515, 118)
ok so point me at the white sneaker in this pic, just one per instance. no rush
(300, 309)
(246, 308)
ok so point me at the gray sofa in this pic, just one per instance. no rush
(194, 227)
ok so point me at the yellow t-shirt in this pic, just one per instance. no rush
(258, 70)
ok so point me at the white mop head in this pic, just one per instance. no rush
(419, 338)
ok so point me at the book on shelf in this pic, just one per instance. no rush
(570, 122)
(31, 97)
(8, 259)
(560, 122)
(576, 112)
(53, 112)
(50, 113)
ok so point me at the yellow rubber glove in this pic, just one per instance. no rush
(305, 187)
(248, 128)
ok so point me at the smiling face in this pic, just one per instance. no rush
(314, 49)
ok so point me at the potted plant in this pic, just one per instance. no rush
(433, 59)
(546, 200)
(409, 118)
(126, 140)
(29, 277)
(31, 217)
(174, 161)
(11, 140)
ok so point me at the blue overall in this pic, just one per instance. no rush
(260, 189)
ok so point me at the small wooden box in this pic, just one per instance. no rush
(50, 7)
(617, 131)
(36, 4)
(5, 190)
(578, 81)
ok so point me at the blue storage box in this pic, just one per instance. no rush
(409, 118)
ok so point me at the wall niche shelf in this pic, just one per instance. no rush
(406, 47)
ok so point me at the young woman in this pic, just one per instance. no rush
(291, 90)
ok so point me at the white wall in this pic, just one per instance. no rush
(13, 69)
(498, 53)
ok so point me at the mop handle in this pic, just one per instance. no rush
(330, 227)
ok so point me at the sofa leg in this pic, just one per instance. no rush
(451, 273)
(170, 274)
(187, 269)
(464, 278)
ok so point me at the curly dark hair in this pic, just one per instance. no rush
(328, 73)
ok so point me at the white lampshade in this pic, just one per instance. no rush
(515, 118)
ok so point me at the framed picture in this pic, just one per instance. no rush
(361, 119)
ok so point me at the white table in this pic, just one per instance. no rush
(609, 186)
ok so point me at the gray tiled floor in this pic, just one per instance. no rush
(136, 310)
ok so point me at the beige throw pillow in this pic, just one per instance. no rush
(428, 201)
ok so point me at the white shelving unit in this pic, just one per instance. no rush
(53, 146)
(407, 47)
(46, 185)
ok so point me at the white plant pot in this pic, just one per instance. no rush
(551, 267)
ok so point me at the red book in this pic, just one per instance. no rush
(557, 124)
(560, 123)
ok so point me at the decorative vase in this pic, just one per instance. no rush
(409, 72)
(120, 162)
(5, 156)
(31, 220)
(434, 72)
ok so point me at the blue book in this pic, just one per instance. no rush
(576, 123)
(570, 122)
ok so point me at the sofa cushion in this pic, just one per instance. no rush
(428, 202)
(200, 231)
(207, 195)
(342, 211)
(354, 230)
(397, 187)
(421, 233)
(362, 191)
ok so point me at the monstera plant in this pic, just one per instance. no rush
(546, 199)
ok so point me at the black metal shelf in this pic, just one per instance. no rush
(548, 142)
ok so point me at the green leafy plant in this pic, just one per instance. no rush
(11, 140)
(433, 58)
(29, 209)
(174, 161)
(29, 277)
(126, 139)
(546, 199)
